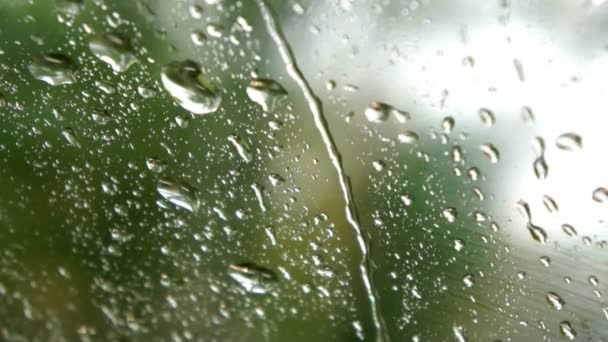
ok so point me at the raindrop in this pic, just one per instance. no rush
(487, 117)
(460, 333)
(447, 124)
(519, 68)
(457, 153)
(491, 152)
(450, 214)
(555, 300)
(458, 245)
(184, 82)
(101, 117)
(541, 169)
(241, 147)
(550, 204)
(469, 280)
(70, 136)
(407, 200)
(407, 137)
(600, 195)
(473, 173)
(53, 68)
(182, 121)
(114, 49)
(524, 209)
(569, 230)
(156, 165)
(566, 329)
(378, 165)
(198, 37)
(538, 233)
(569, 142)
(380, 112)
(545, 260)
(196, 11)
(593, 280)
(276, 179)
(178, 192)
(538, 146)
(254, 279)
(527, 115)
(215, 30)
(265, 92)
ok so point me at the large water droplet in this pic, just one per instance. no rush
(53, 68)
(178, 192)
(265, 92)
(184, 82)
(407, 137)
(380, 112)
(113, 49)
(253, 278)
(538, 233)
(569, 142)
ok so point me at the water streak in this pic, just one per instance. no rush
(321, 124)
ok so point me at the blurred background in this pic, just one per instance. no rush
(473, 135)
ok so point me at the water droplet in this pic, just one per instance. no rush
(541, 169)
(487, 117)
(407, 137)
(113, 49)
(593, 280)
(265, 92)
(546, 261)
(101, 117)
(241, 147)
(53, 68)
(458, 245)
(70, 136)
(184, 82)
(538, 233)
(527, 115)
(215, 30)
(521, 275)
(198, 37)
(469, 280)
(459, 333)
(457, 153)
(566, 329)
(407, 200)
(450, 214)
(259, 195)
(491, 152)
(569, 142)
(447, 124)
(276, 179)
(156, 165)
(569, 230)
(538, 146)
(178, 192)
(550, 204)
(473, 173)
(519, 68)
(378, 165)
(145, 92)
(182, 121)
(380, 112)
(196, 11)
(555, 300)
(524, 209)
(600, 195)
(253, 278)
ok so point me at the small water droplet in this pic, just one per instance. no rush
(524, 209)
(593, 280)
(519, 68)
(378, 112)
(458, 245)
(546, 261)
(378, 165)
(491, 152)
(196, 11)
(538, 146)
(569, 230)
(521, 275)
(53, 68)
(265, 92)
(182, 121)
(555, 300)
(487, 117)
(473, 173)
(178, 192)
(569, 142)
(184, 82)
(156, 165)
(253, 278)
(113, 49)
(527, 115)
(459, 333)
(407, 200)
(198, 37)
(457, 153)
